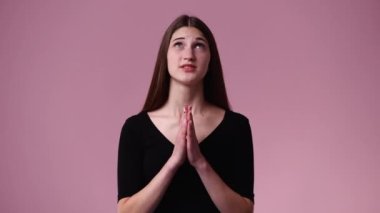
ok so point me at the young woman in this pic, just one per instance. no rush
(186, 151)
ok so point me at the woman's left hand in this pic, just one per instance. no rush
(194, 154)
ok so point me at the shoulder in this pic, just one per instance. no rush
(239, 125)
(136, 121)
(131, 131)
(237, 121)
(236, 116)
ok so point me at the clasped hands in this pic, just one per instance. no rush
(186, 143)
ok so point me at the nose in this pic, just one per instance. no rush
(188, 54)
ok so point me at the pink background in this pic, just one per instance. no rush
(306, 73)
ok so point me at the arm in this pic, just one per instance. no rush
(226, 199)
(147, 199)
(223, 196)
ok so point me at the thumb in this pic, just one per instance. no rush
(183, 120)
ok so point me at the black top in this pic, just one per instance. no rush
(143, 150)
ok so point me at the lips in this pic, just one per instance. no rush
(188, 67)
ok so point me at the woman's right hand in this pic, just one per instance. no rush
(179, 155)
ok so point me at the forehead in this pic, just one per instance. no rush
(188, 33)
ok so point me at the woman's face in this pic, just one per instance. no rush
(188, 56)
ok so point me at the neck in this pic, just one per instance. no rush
(183, 95)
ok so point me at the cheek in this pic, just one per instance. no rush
(170, 60)
(172, 63)
(172, 55)
(206, 62)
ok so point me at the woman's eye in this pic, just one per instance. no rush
(200, 45)
(178, 44)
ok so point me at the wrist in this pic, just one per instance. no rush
(172, 164)
(201, 164)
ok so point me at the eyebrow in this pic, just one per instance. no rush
(198, 38)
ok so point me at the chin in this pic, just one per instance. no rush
(187, 81)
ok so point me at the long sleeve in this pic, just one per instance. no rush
(243, 160)
(130, 157)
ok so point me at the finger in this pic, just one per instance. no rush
(191, 136)
(188, 129)
(186, 108)
(192, 128)
(183, 124)
(189, 112)
(183, 115)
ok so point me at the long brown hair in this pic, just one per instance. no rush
(213, 83)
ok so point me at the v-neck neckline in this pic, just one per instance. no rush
(201, 142)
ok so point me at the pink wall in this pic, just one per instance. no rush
(305, 73)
